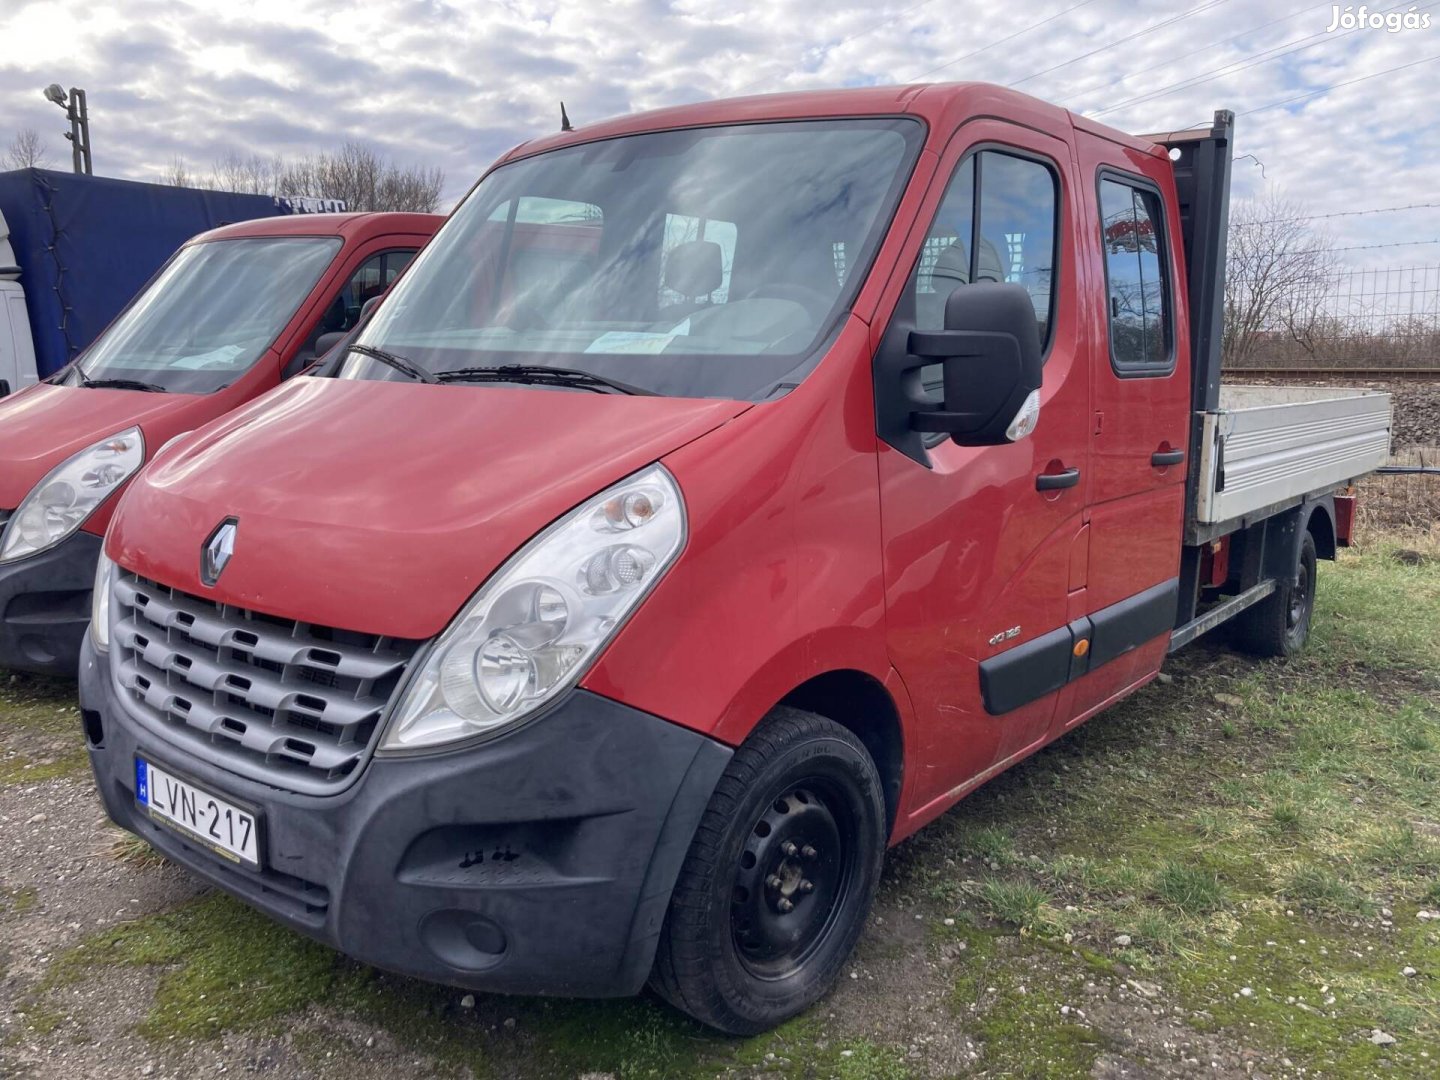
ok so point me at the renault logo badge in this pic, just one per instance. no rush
(217, 551)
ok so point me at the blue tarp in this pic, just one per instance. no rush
(86, 244)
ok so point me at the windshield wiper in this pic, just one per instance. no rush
(121, 384)
(399, 363)
(541, 375)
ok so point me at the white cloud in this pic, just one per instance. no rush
(455, 83)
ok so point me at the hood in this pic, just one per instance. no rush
(43, 425)
(381, 507)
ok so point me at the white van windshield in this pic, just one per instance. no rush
(210, 314)
(704, 262)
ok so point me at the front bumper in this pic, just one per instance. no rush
(45, 606)
(539, 863)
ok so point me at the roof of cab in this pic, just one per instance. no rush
(349, 226)
(942, 105)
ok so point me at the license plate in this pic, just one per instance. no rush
(218, 824)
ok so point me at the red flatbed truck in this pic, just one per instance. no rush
(637, 591)
(235, 311)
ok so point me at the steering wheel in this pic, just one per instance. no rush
(816, 304)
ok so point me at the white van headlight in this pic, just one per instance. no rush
(100, 603)
(70, 493)
(532, 629)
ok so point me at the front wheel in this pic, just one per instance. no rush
(779, 879)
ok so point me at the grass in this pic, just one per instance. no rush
(1180, 842)
(40, 737)
(227, 968)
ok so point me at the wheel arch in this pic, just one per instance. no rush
(1321, 525)
(860, 703)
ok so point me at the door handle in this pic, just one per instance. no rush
(1163, 458)
(1055, 481)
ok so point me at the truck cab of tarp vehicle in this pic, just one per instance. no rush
(723, 494)
(233, 313)
(17, 353)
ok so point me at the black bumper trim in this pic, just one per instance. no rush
(541, 862)
(45, 606)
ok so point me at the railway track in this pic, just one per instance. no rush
(1423, 374)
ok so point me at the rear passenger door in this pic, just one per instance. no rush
(1140, 400)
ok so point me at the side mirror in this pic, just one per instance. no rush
(990, 352)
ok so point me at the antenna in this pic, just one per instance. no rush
(565, 124)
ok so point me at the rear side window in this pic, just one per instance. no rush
(1137, 279)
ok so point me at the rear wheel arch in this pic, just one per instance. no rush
(861, 704)
(1321, 525)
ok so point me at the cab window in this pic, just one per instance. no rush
(1137, 284)
(1010, 236)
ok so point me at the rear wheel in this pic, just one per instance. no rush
(1280, 624)
(779, 879)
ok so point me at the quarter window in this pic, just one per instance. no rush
(1137, 282)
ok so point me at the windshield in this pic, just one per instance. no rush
(211, 313)
(706, 262)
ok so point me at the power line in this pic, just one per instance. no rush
(1244, 63)
(1000, 41)
(1195, 52)
(1337, 86)
(1121, 41)
(1365, 247)
(1351, 213)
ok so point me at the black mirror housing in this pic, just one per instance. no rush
(990, 349)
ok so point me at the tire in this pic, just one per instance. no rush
(1280, 624)
(801, 805)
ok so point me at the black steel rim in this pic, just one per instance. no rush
(1299, 598)
(794, 877)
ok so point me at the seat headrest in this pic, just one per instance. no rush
(695, 268)
(952, 266)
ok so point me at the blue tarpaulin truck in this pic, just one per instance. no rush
(79, 247)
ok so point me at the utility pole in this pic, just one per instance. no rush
(79, 133)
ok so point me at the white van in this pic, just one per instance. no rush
(17, 352)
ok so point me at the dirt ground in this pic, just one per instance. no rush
(1232, 875)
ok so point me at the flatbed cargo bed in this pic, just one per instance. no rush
(1266, 446)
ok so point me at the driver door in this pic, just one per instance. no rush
(979, 564)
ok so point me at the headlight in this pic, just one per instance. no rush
(100, 603)
(69, 494)
(533, 628)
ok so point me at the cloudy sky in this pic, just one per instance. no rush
(455, 84)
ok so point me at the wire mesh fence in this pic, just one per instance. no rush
(1382, 317)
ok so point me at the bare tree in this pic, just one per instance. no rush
(177, 174)
(27, 151)
(252, 174)
(360, 175)
(1275, 278)
(365, 179)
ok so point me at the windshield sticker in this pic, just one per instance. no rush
(223, 356)
(630, 341)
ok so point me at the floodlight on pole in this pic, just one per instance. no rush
(79, 116)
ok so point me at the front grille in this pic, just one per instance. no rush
(289, 703)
